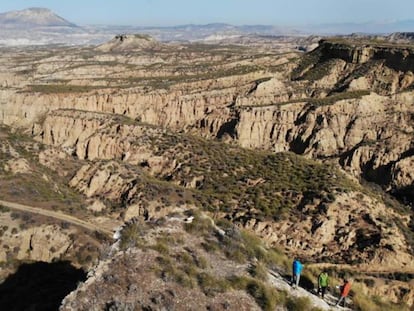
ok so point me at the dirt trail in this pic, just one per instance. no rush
(282, 284)
(58, 215)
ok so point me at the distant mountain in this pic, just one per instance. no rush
(40, 26)
(33, 17)
(386, 27)
(194, 32)
(401, 37)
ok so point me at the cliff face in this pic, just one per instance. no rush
(396, 58)
(369, 134)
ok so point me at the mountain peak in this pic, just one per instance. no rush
(33, 17)
(38, 9)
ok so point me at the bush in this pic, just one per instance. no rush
(4, 209)
(276, 257)
(15, 215)
(200, 225)
(298, 304)
(132, 235)
(211, 285)
(266, 297)
(160, 247)
(259, 271)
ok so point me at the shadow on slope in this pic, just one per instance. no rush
(39, 286)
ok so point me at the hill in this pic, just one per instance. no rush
(33, 17)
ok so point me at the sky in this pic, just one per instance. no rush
(237, 12)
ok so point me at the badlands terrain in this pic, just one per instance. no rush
(166, 176)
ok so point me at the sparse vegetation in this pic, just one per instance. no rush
(62, 88)
(337, 97)
(132, 235)
(4, 209)
(266, 297)
(305, 63)
(299, 304)
(259, 271)
(319, 70)
(280, 178)
(363, 302)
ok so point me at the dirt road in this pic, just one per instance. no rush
(58, 215)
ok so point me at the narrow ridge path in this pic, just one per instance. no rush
(328, 304)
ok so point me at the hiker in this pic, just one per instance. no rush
(345, 288)
(323, 283)
(296, 271)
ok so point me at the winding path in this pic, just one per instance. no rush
(58, 215)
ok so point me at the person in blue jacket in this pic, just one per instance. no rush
(296, 271)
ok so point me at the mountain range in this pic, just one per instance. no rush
(40, 26)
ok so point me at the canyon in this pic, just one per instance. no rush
(310, 152)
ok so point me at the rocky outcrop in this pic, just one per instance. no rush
(139, 278)
(369, 136)
(353, 225)
(128, 42)
(396, 58)
(352, 54)
(42, 243)
(17, 166)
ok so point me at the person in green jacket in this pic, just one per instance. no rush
(323, 283)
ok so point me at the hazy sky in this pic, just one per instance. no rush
(173, 12)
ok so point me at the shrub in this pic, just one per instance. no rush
(210, 245)
(201, 262)
(259, 271)
(276, 257)
(15, 215)
(4, 209)
(132, 235)
(211, 285)
(266, 297)
(298, 304)
(200, 225)
(160, 247)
